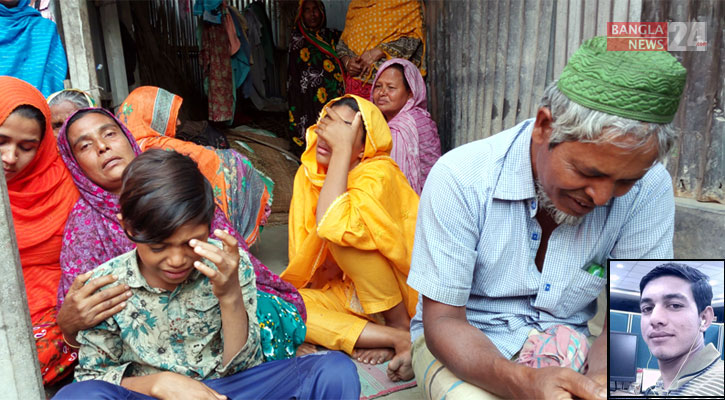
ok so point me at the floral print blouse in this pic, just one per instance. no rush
(314, 77)
(158, 331)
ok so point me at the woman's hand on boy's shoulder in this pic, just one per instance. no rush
(86, 306)
(225, 279)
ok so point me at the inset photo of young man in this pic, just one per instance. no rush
(666, 328)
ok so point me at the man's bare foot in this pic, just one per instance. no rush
(305, 349)
(373, 356)
(400, 367)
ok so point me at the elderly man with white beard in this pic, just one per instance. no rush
(514, 231)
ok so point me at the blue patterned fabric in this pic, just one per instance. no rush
(477, 237)
(31, 48)
(245, 192)
(209, 10)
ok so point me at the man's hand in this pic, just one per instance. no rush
(558, 383)
(472, 357)
(600, 378)
(597, 359)
(85, 307)
(225, 281)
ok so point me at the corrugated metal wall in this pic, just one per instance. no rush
(489, 62)
(173, 19)
(697, 163)
(168, 46)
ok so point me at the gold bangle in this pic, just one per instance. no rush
(68, 344)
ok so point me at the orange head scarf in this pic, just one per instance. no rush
(150, 114)
(41, 197)
(377, 212)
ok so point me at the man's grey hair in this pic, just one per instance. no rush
(575, 123)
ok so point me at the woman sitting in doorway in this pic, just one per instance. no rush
(242, 192)
(399, 92)
(42, 195)
(96, 147)
(351, 228)
(66, 102)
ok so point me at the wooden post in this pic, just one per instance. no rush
(19, 369)
(78, 46)
(114, 52)
(124, 15)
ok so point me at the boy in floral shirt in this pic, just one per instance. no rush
(190, 328)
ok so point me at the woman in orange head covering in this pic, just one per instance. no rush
(351, 229)
(42, 195)
(151, 114)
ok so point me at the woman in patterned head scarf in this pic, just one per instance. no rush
(315, 72)
(242, 192)
(96, 148)
(399, 92)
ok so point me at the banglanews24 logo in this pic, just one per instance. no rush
(656, 36)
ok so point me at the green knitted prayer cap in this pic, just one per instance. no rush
(640, 85)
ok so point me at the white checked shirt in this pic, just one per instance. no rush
(477, 236)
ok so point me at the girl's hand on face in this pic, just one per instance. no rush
(225, 281)
(336, 132)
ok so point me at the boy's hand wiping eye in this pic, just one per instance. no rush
(225, 281)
